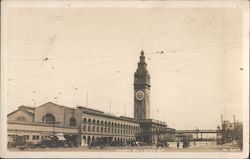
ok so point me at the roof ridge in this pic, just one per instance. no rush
(29, 107)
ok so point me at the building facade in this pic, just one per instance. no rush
(142, 90)
(82, 125)
(36, 123)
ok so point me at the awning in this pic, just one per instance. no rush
(60, 138)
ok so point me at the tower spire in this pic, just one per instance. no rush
(142, 90)
(142, 38)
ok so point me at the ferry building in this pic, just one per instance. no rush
(82, 125)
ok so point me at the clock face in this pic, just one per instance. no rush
(139, 95)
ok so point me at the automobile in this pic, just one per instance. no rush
(20, 142)
(100, 142)
(186, 144)
(220, 142)
(143, 144)
(162, 143)
(52, 142)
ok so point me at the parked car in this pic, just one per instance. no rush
(52, 142)
(20, 142)
(162, 143)
(101, 142)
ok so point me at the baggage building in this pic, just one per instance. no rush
(82, 125)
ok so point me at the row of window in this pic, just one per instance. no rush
(109, 129)
(48, 119)
(105, 123)
(27, 137)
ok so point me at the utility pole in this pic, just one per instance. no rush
(221, 118)
(125, 110)
(234, 120)
(234, 129)
(142, 38)
(158, 113)
(87, 99)
(110, 106)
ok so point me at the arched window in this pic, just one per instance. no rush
(115, 128)
(89, 125)
(21, 119)
(84, 124)
(93, 126)
(112, 127)
(124, 129)
(89, 121)
(49, 119)
(101, 126)
(72, 121)
(105, 127)
(85, 120)
(108, 127)
(97, 126)
(118, 128)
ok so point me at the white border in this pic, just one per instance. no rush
(124, 4)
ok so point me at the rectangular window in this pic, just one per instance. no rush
(89, 129)
(97, 129)
(84, 128)
(33, 137)
(93, 129)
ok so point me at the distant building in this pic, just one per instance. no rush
(232, 132)
(83, 125)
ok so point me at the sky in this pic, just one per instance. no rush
(88, 56)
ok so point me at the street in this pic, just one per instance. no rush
(209, 147)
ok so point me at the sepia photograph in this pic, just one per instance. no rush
(124, 79)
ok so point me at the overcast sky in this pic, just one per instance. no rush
(60, 55)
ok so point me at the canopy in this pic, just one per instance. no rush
(60, 138)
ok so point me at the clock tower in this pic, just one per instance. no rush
(142, 90)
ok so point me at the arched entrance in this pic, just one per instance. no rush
(72, 122)
(88, 140)
(49, 119)
(84, 142)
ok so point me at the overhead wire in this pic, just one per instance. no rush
(118, 55)
(175, 50)
(62, 70)
(183, 61)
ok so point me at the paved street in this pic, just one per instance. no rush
(210, 147)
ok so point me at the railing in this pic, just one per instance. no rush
(198, 131)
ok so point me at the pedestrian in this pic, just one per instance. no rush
(178, 144)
